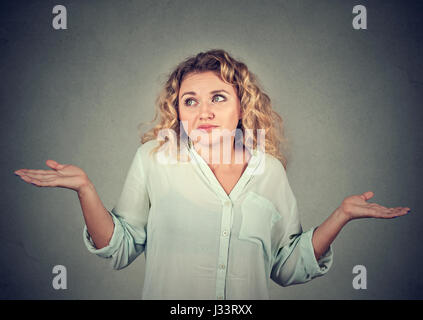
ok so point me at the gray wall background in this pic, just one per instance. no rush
(350, 99)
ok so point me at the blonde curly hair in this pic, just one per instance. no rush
(257, 112)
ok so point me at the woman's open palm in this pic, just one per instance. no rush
(62, 176)
(356, 207)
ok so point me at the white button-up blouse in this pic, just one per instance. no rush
(201, 243)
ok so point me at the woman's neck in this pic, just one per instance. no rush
(219, 155)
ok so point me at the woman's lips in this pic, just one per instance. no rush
(206, 128)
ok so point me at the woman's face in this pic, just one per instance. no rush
(204, 99)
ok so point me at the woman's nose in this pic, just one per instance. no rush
(206, 111)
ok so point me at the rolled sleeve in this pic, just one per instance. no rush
(111, 248)
(314, 268)
(296, 263)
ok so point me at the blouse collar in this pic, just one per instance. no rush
(254, 167)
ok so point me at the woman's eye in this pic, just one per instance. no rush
(187, 102)
(218, 95)
(217, 98)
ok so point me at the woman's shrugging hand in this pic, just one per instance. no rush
(356, 207)
(62, 176)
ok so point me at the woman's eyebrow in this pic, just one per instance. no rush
(212, 92)
(217, 91)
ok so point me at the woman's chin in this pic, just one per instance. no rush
(207, 144)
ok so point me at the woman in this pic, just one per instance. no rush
(207, 196)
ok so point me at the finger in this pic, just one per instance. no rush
(19, 171)
(33, 171)
(39, 176)
(372, 211)
(394, 212)
(27, 179)
(36, 177)
(371, 206)
(376, 205)
(402, 208)
(367, 195)
(54, 164)
(50, 182)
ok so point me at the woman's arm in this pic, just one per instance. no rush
(324, 235)
(99, 222)
(353, 207)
